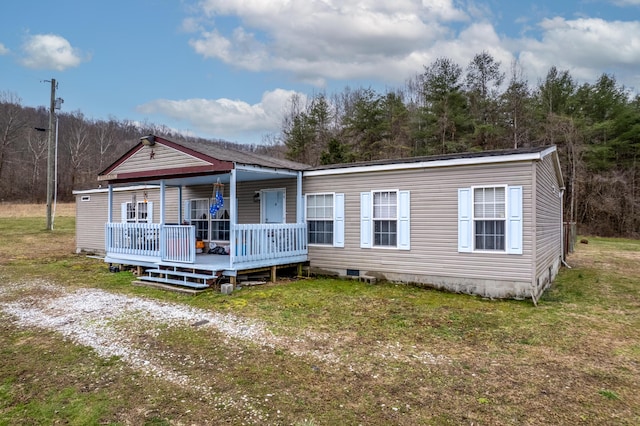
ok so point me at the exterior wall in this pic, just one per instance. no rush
(433, 259)
(91, 215)
(248, 209)
(163, 158)
(548, 223)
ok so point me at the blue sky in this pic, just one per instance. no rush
(228, 68)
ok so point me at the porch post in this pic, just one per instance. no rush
(299, 201)
(180, 205)
(233, 220)
(163, 188)
(110, 204)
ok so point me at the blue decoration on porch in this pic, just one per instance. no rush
(218, 199)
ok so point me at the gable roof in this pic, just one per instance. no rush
(186, 158)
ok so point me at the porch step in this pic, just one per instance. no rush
(182, 274)
(183, 282)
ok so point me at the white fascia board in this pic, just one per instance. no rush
(118, 189)
(556, 165)
(261, 169)
(427, 164)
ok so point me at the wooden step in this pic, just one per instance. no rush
(181, 274)
(184, 283)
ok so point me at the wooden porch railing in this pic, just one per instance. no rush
(178, 243)
(251, 243)
(261, 242)
(172, 243)
(138, 239)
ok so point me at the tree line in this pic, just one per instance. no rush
(448, 108)
(444, 109)
(85, 148)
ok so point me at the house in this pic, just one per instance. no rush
(485, 223)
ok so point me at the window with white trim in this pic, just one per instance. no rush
(489, 218)
(320, 217)
(324, 214)
(221, 223)
(199, 217)
(209, 228)
(138, 212)
(385, 218)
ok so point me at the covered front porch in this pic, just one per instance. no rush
(252, 214)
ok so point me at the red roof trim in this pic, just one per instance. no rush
(221, 167)
(216, 164)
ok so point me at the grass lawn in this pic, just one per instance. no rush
(388, 354)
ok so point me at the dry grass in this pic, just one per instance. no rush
(399, 355)
(13, 210)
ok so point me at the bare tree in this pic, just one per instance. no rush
(12, 122)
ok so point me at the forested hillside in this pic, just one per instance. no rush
(85, 148)
(447, 108)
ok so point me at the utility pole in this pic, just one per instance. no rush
(52, 112)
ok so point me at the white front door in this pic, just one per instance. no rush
(272, 206)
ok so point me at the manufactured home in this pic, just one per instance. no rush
(485, 223)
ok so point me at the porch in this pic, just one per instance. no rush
(207, 195)
(169, 252)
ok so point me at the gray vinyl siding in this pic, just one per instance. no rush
(434, 227)
(163, 158)
(92, 215)
(548, 221)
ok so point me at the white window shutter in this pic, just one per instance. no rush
(365, 220)
(123, 212)
(465, 221)
(338, 222)
(514, 220)
(404, 212)
(149, 212)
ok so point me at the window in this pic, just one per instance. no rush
(199, 217)
(385, 219)
(320, 218)
(220, 223)
(490, 219)
(489, 216)
(138, 212)
(208, 228)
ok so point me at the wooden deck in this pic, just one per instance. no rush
(168, 254)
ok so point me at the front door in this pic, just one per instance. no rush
(272, 206)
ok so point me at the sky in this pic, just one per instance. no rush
(227, 69)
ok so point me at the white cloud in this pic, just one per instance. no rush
(321, 39)
(3, 49)
(626, 2)
(585, 47)
(225, 118)
(50, 51)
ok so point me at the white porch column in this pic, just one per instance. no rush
(233, 208)
(163, 189)
(180, 215)
(110, 204)
(299, 201)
